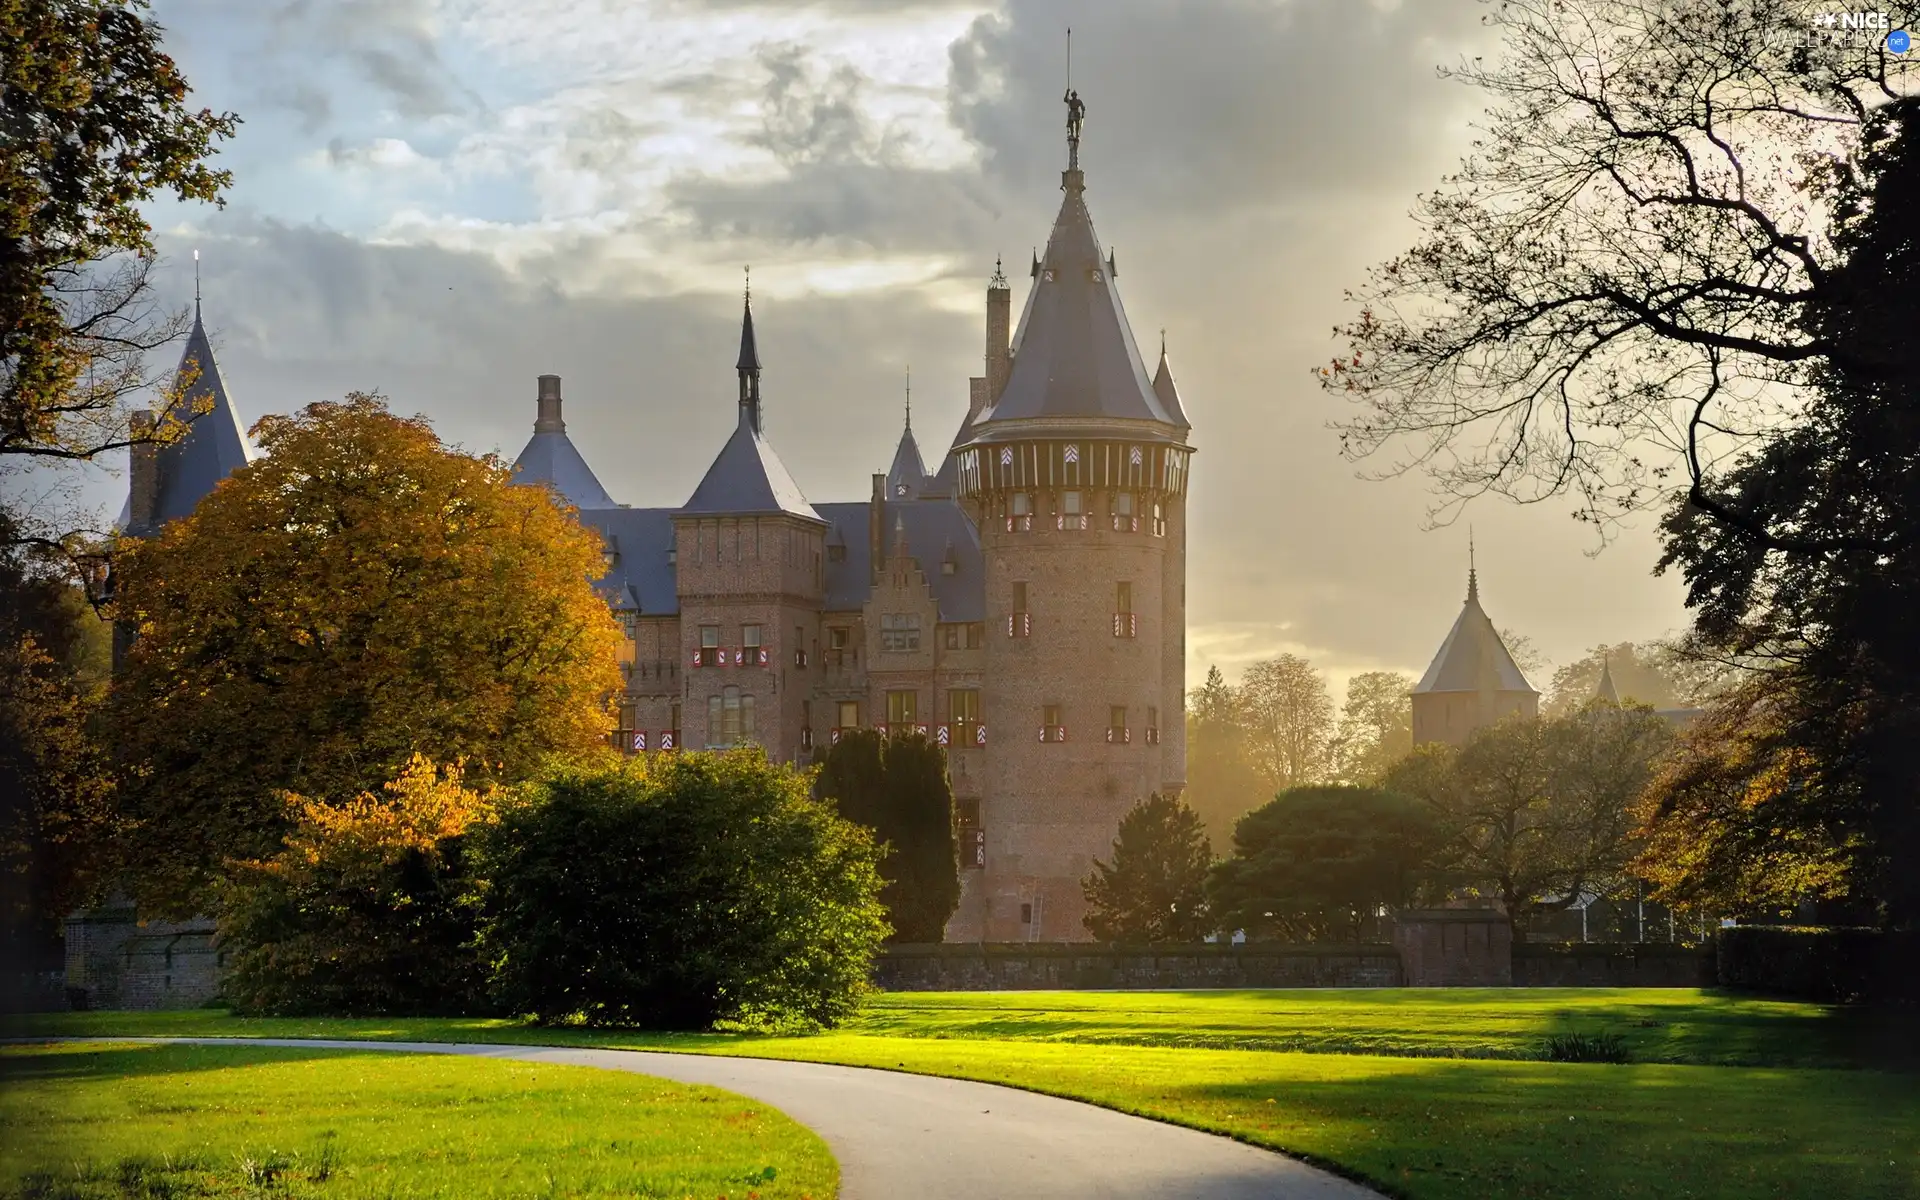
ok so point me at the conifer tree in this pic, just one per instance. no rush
(897, 787)
(1154, 890)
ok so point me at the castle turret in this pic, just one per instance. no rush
(1075, 474)
(1473, 680)
(551, 458)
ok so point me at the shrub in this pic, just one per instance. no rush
(1834, 965)
(1586, 1048)
(680, 893)
(369, 908)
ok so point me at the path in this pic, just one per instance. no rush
(918, 1137)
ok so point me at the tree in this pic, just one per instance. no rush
(369, 909)
(680, 893)
(1288, 717)
(1827, 640)
(1154, 890)
(1376, 726)
(1221, 781)
(361, 595)
(93, 126)
(897, 787)
(1538, 813)
(1526, 654)
(1317, 861)
(1609, 292)
(1639, 677)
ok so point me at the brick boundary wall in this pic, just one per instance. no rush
(1011, 966)
(1609, 964)
(115, 961)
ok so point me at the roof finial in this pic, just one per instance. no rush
(748, 294)
(1076, 111)
(999, 279)
(196, 285)
(909, 397)
(1473, 577)
(1163, 341)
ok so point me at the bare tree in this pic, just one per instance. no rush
(1608, 299)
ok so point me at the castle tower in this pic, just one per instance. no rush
(748, 575)
(1075, 473)
(1473, 680)
(550, 456)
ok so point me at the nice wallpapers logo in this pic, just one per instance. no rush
(1875, 28)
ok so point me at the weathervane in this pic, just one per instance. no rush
(1076, 111)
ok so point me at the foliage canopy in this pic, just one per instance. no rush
(897, 787)
(1154, 890)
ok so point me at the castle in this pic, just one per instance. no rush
(1023, 602)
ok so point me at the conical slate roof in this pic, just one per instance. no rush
(213, 446)
(908, 474)
(1473, 658)
(747, 476)
(1074, 353)
(1606, 691)
(1164, 389)
(550, 456)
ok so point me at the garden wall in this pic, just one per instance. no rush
(114, 961)
(1602, 964)
(977, 967)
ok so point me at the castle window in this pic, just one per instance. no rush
(750, 641)
(963, 709)
(730, 718)
(1020, 516)
(623, 732)
(838, 636)
(950, 637)
(899, 632)
(1124, 519)
(673, 722)
(1019, 619)
(1153, 726)
(966, 811)
(1159, 519)
(709, 654)
(1026, 910)
(1052, 725)
(1117, 732)
(1125, 623)
(1123, 596)
(849, 714)
(1072, 513)
(903, 708)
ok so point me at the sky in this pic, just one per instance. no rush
(443, 199)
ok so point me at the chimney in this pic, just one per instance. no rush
(547, 413)
(877, 525)
(976, 397)
(143, 473)
(999, 335)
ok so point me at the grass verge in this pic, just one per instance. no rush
(187, 1121)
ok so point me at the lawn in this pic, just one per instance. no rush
(186, 1121)
(1360, 1081)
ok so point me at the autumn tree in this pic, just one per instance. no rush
(1537, 813)
(1221, 781)
(897, 787)
(1376, 726)
(1288, 717)
(94, 125)
(1316, 862)
(370, 907)
(1154, 889)
(360, 595)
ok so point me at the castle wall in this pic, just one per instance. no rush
(1452, 717)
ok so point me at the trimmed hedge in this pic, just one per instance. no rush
(1833, 965)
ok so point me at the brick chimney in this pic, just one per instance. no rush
(547, 414)
(143, 473)
(999, 334)
(877, 526)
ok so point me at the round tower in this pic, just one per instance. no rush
(1076, 476)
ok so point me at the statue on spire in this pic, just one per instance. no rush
(1076, 114)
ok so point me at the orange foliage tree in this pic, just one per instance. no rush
(361, 595)
(369, 907)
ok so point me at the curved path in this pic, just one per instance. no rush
(918, 1137)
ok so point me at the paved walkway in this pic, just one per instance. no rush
(916, 1137)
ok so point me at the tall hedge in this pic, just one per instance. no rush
(1835, 965)
(679, 893)
(897, 787)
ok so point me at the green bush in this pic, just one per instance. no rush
(681, 893)
(1834, 965)
(1586, 1048)
(897, 787)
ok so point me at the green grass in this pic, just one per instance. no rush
(1428, 1095)
(186, 1121)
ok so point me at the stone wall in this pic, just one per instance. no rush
(971, 966)
(1618, 964)
(114, 961)
(1454, 947)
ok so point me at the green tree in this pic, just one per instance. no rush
(1317, 862)
(93, 126)
(1639, 677)
(360, 595)
(1154, 890)
(1288, 717)
(369, 909)
(677, 894)
(1537, 813)
(1376, 726)
(1221, 781)
(897, 787)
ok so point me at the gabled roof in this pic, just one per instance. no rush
(748, 477)
(1473, 658)
(1074, 353)
(552, 459)
(935, 530)
(213, 446)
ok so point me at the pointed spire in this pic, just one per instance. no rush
(909, 397)
(196, 285)
(748, 364)
(1473, 577)
(1606, 691)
